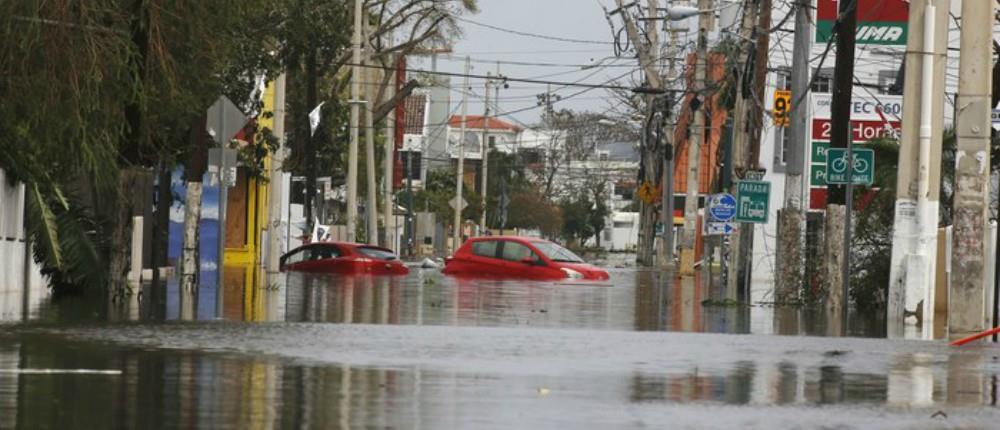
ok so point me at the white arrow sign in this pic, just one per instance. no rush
(456, 201)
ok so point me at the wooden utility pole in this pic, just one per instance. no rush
(967, 300)
(747, 121)
(648, 62)
(390, 237)
(914, 240)
(840, 117)
(790, 218)
(665, 253)
(352, 150)
(705, 23)
(485, 151)
(371, 183)
(460, 170)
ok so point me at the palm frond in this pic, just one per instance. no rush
(44, 229)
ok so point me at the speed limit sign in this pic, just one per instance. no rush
(782, 104)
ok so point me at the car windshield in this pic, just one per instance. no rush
(376, 253)
(557, 253)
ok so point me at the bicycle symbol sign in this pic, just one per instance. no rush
(861, 173)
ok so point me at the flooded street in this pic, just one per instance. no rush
(429, 351)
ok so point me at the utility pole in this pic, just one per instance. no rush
(790, 220)
(456, 239)
(485, 150)
(694, 144)
(275, 194)
(914, 242)
(371, 183)
(840, 118)
(649, 64)
(666, 251)
(352, 151)
(389, 239)
(967, 300)
(310, 207)
(748, 124)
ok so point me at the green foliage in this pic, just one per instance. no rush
(872, 237)
(438, 191)
(529, 209)
(577, 223)
(64, 241)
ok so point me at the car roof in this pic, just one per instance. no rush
(521, 238)
(349, 245)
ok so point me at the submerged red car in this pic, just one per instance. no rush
(519, 257)
(343, 258)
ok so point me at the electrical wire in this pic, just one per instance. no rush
(534, 35)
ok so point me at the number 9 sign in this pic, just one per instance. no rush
(782, 104)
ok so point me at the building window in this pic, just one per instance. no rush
(411, 164)
(823, 81)
(887, 82)
(493, 142)
(531, 156)
(780, 146)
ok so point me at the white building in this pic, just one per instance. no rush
(877, 75)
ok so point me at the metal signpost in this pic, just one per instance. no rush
(224, 121)
(849, 166)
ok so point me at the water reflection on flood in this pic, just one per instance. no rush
(402, 373)
(633, 299)
(193, 389)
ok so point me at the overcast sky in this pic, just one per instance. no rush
(572, 19)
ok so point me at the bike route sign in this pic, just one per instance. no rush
(863, 166)
(722, 207)
(753, 200)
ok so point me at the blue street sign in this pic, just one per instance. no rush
(717, 228)
(722, 207)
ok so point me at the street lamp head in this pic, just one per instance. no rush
(677, 13)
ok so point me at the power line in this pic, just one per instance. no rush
(535, 35)
(532, 81)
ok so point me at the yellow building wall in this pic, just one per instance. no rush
(257, 200)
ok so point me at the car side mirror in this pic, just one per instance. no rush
(528, 260)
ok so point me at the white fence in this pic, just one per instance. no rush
(21, 286)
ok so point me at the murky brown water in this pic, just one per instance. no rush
(427, 351)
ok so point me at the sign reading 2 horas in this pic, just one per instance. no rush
(880, 22)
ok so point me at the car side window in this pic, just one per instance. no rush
(325, 252)
(296, 257)
(485, 248)
(513, 251)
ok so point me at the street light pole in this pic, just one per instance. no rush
(352, 151)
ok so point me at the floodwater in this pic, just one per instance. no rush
(432, 352)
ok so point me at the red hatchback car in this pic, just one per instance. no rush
(519, 257)
(343, 258)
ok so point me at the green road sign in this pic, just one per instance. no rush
(752, 201)
(818, 153)
(817, 175)
(863, 169)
